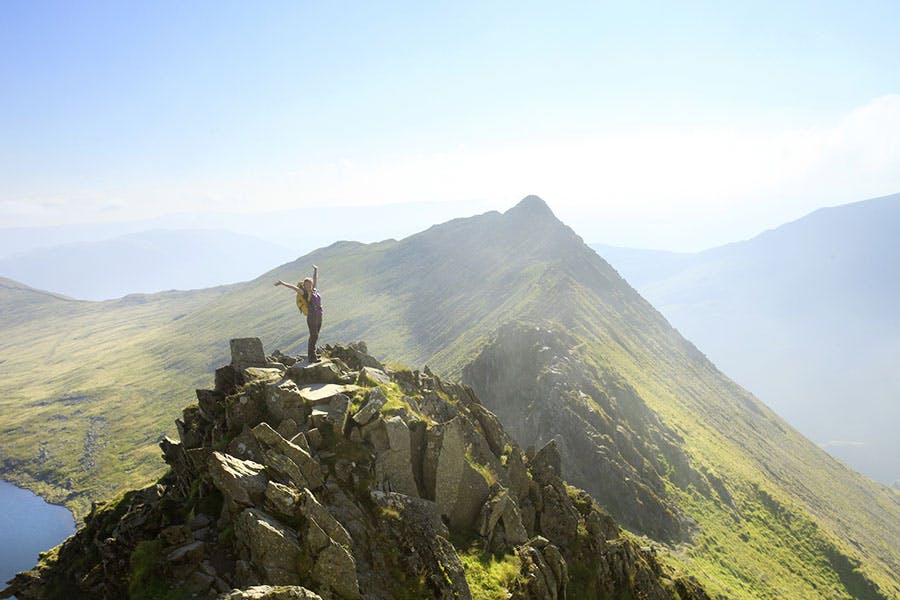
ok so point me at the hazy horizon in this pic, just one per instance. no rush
(643, 126)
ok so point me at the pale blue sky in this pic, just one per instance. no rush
(120, 110)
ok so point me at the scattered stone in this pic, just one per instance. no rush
(310, 508)
(501, 524)
(310, 468)
(283, 358)
(337, 409)
(370, 376)
(324, 371)
(211, 403)
(318, 417)
(322, 393)
(301, 440)
(189, 553)
(374, 400)
(314, 438)
(245, 446)
(247, 408)
(272, 548)
(284, 401)
(262, 373)
(243, 481)
(268, 592)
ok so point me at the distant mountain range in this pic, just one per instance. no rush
(144, 262)
(299, 230)
(550, 336)
(806, 316)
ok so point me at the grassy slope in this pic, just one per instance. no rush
(796, 511)
(436, 297)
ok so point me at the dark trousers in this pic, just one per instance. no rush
(314, 322)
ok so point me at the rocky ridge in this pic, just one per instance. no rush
(611, 443)
(348, 479)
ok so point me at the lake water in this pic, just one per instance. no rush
(28, 525)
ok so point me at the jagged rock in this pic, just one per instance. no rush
(182, 561)
(190, 428)
(310, 508)
(437, 408)
(262, 373)
(544, 571)
(310, 468)
(284, 358)
(175, 535)
(267, 592)
(371, 376)
(374, 400)
(336, 569)
(424, 538)
(211, 403)
(493, 431)
(245, 446)
(287, 429)
(500, 522)
(226, 380)
(393, 465)
(337, 409)
(247, 408)
(243, 481)
(324, 371)
(317, 394)
(558, 518)
(301, 440)
(284, 401)
(247, 352)
(460, 489)
(281, 500)
(318, 417)
(270, 547)
(340, 538)
(189, 553)
(285, 469)
(517, 472)
(314, 438)
(355, 356)
(547, 462)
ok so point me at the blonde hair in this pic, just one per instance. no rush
(309, 279)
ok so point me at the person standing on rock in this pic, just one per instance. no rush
(310, 304)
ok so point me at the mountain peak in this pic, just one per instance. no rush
(533, 206)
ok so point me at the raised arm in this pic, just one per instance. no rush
(287, 285)
(315, 276)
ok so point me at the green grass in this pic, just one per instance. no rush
(490, 576)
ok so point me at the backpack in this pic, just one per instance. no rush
(302, 302)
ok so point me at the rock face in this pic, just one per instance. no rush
(347, 480)
(608, 441)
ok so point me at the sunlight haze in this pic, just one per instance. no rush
(642, 125)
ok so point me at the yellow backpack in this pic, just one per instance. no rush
(302, 302)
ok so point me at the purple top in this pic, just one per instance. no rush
(315, 302)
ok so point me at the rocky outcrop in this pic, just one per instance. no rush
(346, 480)
(610, 443)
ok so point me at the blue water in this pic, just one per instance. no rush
(28, 525)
